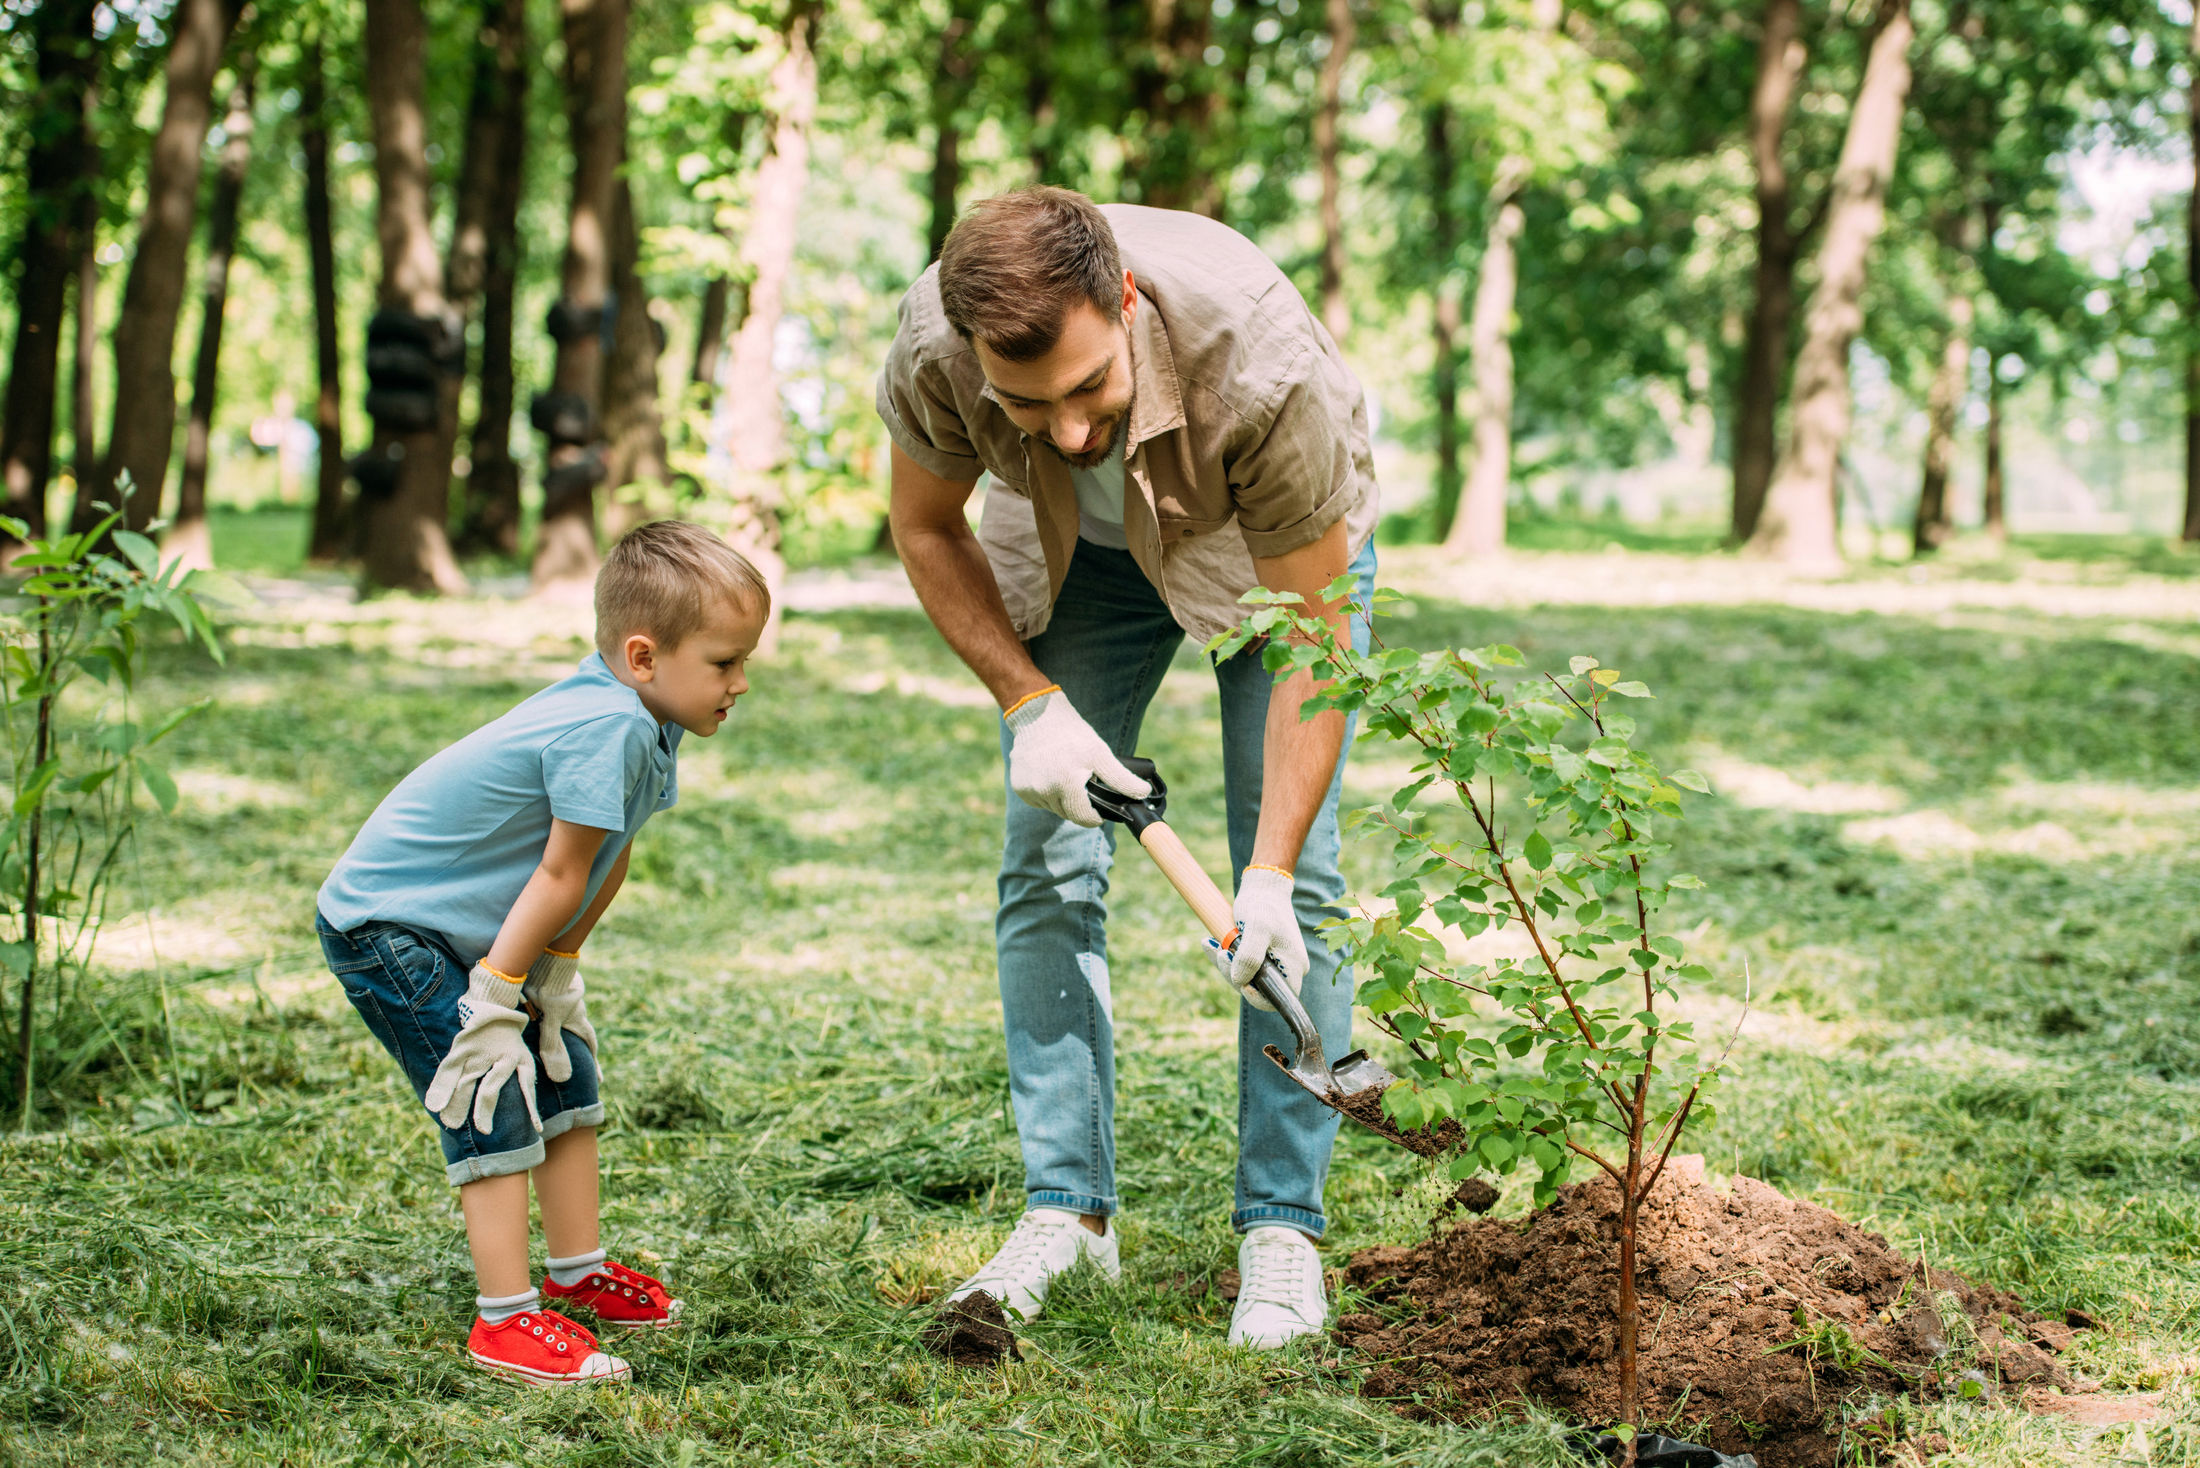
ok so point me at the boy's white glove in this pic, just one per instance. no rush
(555, 988)
(1267, 923)
(490, 1049)
(1052, 752)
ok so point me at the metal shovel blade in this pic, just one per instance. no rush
(1351, 1077)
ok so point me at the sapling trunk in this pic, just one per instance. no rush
(40, 746)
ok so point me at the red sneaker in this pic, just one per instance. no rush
(542, 1348)
(619, 1296)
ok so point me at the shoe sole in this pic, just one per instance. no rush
(527, 1376)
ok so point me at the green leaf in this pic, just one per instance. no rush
(1537, 850)
(157, 784)
(142, 552)
(1690, 780)
(1632, 689)
(1496, 1150)
(1581, 664)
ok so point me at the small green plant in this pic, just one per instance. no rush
(76, 763)
(1568, 1057)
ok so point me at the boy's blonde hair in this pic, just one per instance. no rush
(663, 579)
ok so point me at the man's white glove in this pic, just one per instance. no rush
(554, 987)
(490, 1049)
(1267, 923)
(1052, 752)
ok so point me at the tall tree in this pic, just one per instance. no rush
(571, 413)
(1780, 57)
(1798, 522)
(329, 535)
(950, 92)
(55, 183)
(1441, 150)
(405, 475)
(1328, 110)
(1944, 400)
(188, 538)
(1480, 528)
(491, 515)
(1039, 110)
(1166, 156)
(633, 419)
(2192, 298)
(143, 430)
(83, 369)
(754, 428)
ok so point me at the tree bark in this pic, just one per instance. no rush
(950, 89)
(1797, 524)
(1168, 158)
(1943, 402)
(188, 538)
(56, 178)
(1480, 528)
(330, 529)
(1039, 92)
(491, 517)
(1328, 109)
(755, 427)
(1444, 379)
(83, 403)
(1780, 59)
(633, 421)
(710, 339)
(143, 429)
(403, 511)
(1994, 513)
(595, 79)
(2192, 302)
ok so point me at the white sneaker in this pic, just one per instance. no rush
(1280, 1291)
(1046, 1242)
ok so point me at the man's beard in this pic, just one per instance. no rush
(1094, 458)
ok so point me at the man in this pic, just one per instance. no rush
(1166, 427)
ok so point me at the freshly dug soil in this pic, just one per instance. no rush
(1485, 1313)
(972, 1331)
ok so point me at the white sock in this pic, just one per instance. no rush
(567, 1273)
(498, 1310)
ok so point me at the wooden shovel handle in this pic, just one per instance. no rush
(1190, 879)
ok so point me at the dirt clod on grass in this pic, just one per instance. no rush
(972, 1331)
(1489, 1312)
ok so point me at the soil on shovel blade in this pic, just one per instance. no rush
(1485, 1313)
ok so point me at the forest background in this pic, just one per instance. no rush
(446, 281)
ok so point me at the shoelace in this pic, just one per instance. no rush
(1029, 1237)
(545, 1327)
(1277, 1272)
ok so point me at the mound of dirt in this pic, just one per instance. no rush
(1769, 1316)
(972, 1331)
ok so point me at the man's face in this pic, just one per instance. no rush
(1077, 398)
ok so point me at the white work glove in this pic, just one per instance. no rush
(554, 987)
(1052, 752)
(490, 1049)
(1267, 923)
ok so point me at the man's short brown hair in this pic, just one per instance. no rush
(1018, 263)
(665, 578)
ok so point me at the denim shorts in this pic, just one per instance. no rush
(406, 985)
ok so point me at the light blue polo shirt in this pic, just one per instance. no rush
(450, 848)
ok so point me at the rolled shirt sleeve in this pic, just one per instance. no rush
(914, 397)
(1295, 480)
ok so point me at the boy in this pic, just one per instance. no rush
(468, 894)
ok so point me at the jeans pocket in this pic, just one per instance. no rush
(418, 970)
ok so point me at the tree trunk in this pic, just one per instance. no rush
(1327, 111)
(633, 421)
(572, 412)
(1943, 402)
(143, 429)
(710, 340)
(1168, 158)
(1039, 92)
(2192, 303)
(755, 429)
(57, 176)
(1480, 528)
(491, 517)
(329, 535)
(1797, 524)
(1993, 513)
(405, 482)
(950, 89)
(1780, 58)
(188, 538)
(1444, 380)
(83, 374)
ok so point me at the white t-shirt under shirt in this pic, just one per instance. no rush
(1100, 501)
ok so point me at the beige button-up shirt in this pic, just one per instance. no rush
(1247, 435)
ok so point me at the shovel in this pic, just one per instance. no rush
(1355, 1081)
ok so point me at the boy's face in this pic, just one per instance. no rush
(694, 685)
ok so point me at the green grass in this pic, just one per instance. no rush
(1975, 1033)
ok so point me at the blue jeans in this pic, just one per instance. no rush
(1108, 645)
(406, 985)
